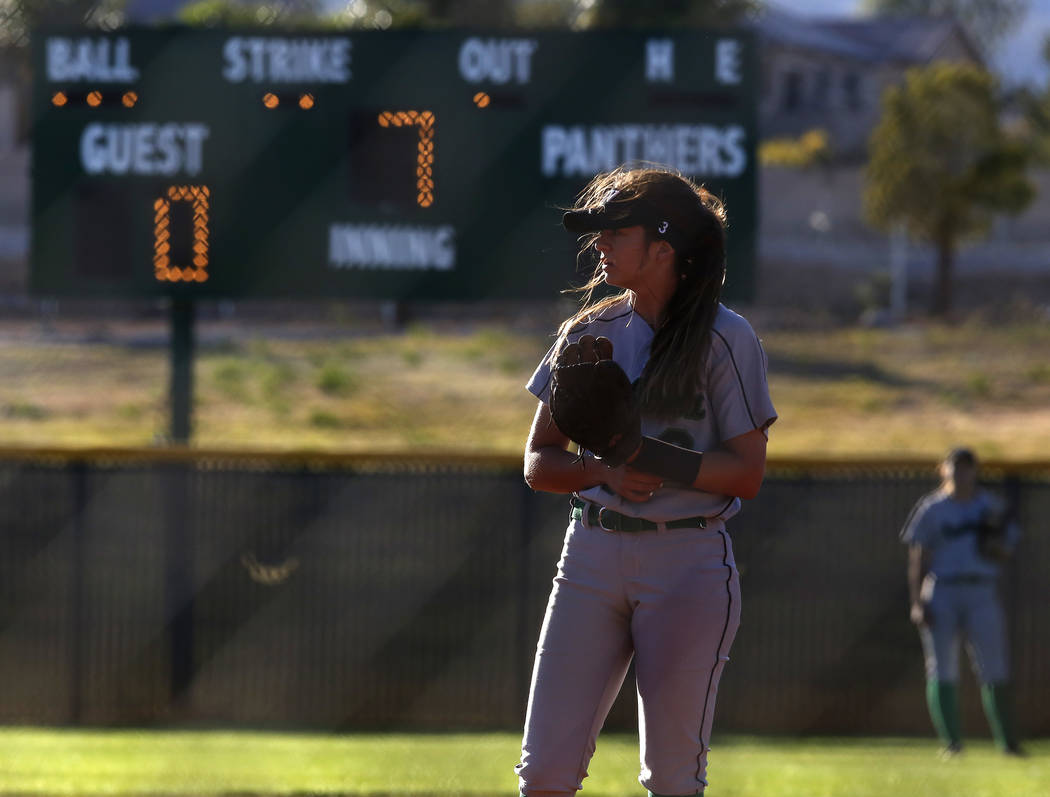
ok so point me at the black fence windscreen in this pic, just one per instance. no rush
(346, 594)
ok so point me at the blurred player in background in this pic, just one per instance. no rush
(959, 536)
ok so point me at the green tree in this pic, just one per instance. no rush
(474, 13)
(18, 17)
(237, 13)
(941, 164)
(1037, 112)
(1033, 102)
(548, 13)
(427, 13)
(987, 21)
(380, 14)
(657, 13)
(294, 14)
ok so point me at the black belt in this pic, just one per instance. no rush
(966, 578)
(598, 515)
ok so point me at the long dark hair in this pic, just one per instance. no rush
(674, 374)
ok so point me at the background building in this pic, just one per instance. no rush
(830, 72)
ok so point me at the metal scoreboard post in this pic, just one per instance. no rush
(201, 163)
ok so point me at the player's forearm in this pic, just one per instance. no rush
(552, 469)
(728, 473)
(914, 587)
(916, 574)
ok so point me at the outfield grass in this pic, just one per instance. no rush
(68, 762)
(912, 390)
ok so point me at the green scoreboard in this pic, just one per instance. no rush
(208, 163)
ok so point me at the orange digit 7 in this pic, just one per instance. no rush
(163, 270)
(424, 120)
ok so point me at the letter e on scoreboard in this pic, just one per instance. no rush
(727, 61)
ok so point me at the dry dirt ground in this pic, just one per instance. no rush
(841, 391)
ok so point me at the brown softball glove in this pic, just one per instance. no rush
(592, 402)
(991, 536)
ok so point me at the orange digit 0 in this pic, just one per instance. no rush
(163, 269)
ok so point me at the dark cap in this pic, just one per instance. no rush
(617, 211)
(961, 456)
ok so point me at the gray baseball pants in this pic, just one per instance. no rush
(971, 611)
(671, 600)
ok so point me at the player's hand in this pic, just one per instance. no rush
(995, 550)
(919, 615)
(633, 485)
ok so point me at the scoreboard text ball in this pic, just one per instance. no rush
(398, 165)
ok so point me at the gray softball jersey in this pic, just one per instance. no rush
(735, 401)
(948, 530)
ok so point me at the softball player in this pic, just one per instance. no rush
(952, 582)
(647, 568)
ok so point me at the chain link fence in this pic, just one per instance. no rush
(141, 587)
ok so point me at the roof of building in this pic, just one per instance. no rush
(875, 39)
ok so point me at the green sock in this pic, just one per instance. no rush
(942, 699)
(998, 708)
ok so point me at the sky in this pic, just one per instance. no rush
(1018, 59)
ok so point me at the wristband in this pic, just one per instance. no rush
(668, 460)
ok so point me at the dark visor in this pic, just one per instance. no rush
(618, 213)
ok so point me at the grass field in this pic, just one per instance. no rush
(912, 390)
(75, 762)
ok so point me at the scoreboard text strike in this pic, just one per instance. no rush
(397, 165)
